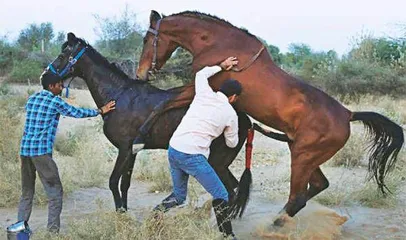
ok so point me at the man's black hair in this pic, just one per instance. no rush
(49, 78)
(231, 87)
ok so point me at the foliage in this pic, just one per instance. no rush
(26, 70)
(31, 38)
(373, 66)
(119, 37)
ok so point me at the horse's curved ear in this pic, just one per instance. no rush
(154, 17)
(71, 38)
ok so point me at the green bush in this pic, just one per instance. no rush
(355, 78)
(26, 70)
(7, 53)
(4, 89)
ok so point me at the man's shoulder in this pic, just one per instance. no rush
(227, 110)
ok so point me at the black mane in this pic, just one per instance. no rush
(100, 59)
(206, 16)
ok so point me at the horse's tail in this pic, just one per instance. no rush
(274, 135)
(386, 141)
(244, 187)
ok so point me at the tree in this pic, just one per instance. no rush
(180, 65)
(297, 55)
(119, 37)
(31, 37)
(275, 54)
(273, 51)
(6, 55)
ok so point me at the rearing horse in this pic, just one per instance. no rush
(316, 124)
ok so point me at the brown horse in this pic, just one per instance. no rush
(316, 124)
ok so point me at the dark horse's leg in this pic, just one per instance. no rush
(126, 180)
(124, 155)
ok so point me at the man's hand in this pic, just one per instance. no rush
(108, 107)
(229, 63)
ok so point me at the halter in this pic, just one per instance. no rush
(67, 68)
(155, 44)
(71, 63)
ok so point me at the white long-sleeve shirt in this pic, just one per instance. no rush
(209, 115)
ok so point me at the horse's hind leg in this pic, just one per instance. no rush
(318, 182)
(307, 154)
(228, 179)
(126, 180)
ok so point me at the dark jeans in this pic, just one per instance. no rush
(49, 176)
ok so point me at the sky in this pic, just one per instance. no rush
(322, 24)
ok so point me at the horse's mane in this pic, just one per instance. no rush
(205, 16)
(100, 59)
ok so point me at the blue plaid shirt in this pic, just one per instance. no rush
(42, 118)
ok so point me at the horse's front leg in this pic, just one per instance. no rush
(124, 155)
(126, 180)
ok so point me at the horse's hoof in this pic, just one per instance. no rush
(279, 222)
(121, 210)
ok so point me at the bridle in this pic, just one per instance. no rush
(155, 45)
(72, 61)
(69, 66)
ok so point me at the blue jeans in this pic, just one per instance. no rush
(182, 165)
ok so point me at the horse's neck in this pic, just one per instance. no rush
(214, 49)
(104, 85)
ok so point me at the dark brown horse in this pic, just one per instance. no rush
(134, 102)
(316, 124)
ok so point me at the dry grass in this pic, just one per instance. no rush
(88, 166)
(81, 162)
(152, 166)
(394, 109)
(352, 188)
(187, 223)
(279, 185)
(11, 128)
(351, 155)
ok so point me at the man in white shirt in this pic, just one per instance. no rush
(209, 115)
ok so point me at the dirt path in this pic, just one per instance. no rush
(363, 223)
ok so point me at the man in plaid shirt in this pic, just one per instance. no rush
(43, 110)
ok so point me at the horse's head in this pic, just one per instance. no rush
(64, 66)
(157, 49)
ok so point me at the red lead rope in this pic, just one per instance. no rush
(248, 148)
